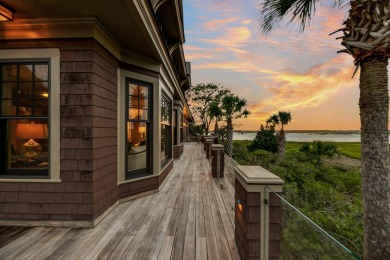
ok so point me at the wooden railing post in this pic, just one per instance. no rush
(209, 142)
(257, 213)
(218, 160)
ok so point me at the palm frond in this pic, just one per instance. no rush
(300, 11)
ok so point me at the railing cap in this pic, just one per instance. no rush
(253, 175)
(217, 147)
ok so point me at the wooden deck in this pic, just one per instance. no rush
(191, 217)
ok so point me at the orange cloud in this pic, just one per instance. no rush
(217, 24)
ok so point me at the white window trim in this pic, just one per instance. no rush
(53, 55)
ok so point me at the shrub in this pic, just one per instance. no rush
(265, 139)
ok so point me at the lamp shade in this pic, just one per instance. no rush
(6, 13)
(31, 131)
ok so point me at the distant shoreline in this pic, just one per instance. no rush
(321, 132)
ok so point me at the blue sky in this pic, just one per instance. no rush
(285, 70)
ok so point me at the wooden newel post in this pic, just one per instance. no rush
(209, 142)
(218, 160)
(257, 213)
(205, 137)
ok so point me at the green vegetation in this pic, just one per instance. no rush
(329, 195)
(318, 150)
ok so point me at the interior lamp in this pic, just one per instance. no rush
(31, 148)
(6, 13)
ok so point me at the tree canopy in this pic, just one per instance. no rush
(201, 97)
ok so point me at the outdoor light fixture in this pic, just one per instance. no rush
(6, 13)
(239, 205)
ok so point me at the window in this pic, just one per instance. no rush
(24, 122)
(166, 130)
(181, 127)
(138, 129)
(174, 121)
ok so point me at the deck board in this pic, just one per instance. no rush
(190, 218)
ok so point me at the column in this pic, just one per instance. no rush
(257, 213)
(218, 160)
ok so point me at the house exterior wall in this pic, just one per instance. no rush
(88, 143)
(87, 167)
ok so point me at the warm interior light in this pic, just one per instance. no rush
(6, 13)
(31, 148)
(45, 94)
(142, 129)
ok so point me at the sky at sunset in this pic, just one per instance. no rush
(285, 70)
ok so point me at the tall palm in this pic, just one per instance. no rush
(280, 119)
(366, 38)
(232, 108)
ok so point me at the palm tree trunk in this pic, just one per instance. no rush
(374, 111)
(229, 137)
(281, 142)
(216, 129)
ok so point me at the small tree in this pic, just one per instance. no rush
(318, 150)
(280, 119)
(201, 97)
(215, 112)
(265, 139)
(232, 108)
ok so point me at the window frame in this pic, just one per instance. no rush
(129, 175)
(52, 56)
(168, 156)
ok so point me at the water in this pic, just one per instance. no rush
(306, 137)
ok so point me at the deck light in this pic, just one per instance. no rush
(6, 13)
(239, 205)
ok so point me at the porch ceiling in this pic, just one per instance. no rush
(120, 18)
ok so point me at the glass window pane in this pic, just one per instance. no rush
(143, 91)
(143, 103)
(9, 90)
(10, 72)
(143, 114)
(41, 107)
(41, 90)
(25, 73)
(26, 107)
(41, 72)
(137, 145)
(134, 90)
(133, 113)
(25, 89)
(26, 144)
(7, 108)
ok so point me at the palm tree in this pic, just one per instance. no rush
(232, 108)
(280, 119)
(215, 113)
(366, 37)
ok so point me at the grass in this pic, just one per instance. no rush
(351, 150)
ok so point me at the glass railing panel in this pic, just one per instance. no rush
(303, 239)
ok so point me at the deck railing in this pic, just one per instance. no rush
(303, 239)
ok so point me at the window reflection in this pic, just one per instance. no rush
(137, 128)
(137, 140)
